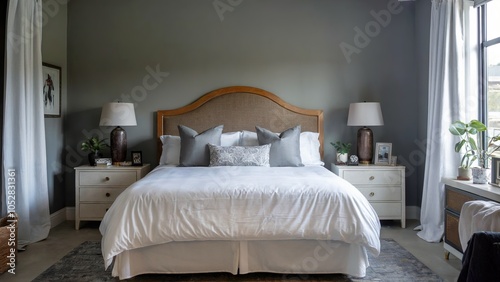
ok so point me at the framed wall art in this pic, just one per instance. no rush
(51, 90)
(383, 153)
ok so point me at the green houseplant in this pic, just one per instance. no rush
(467, 132)
(95, 146)
(472, 149)
(343, 150)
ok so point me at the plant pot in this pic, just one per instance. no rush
(341, 158)
(480, 175)
(464, 173)
(92, 157)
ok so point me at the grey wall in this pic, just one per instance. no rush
(54, 51)
(417, 158)
(291, 48)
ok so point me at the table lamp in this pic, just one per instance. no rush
(365, 114)
(118, 114)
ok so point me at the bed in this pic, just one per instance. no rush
(262, 211)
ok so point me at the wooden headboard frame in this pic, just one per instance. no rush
(239, 108)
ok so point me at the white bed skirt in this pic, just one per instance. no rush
(287, 256)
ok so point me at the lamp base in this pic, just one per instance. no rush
(118, 140)
(365, 145)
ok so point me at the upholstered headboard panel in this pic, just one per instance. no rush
(239, 108)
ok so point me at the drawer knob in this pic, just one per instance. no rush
(372, 194)
(107, 178)
(107, 194)
(372, 177)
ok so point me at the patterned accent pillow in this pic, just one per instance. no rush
(239, 155)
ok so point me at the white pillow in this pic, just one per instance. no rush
(309, 146)
(309, 149)
(171, 149)
(230, 138)
(249, 138)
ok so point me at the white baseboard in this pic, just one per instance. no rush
(70, 213)
(58, 217)
(412, 212)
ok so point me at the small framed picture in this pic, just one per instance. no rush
(137, 158)
(51, 90)
(383, 153)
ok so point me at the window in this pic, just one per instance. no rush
(489, 39)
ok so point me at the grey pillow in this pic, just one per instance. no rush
(194, 146)
(285, 148)
(239, 155)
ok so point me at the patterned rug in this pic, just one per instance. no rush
(85, 263)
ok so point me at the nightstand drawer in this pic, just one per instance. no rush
(387, 210)
(94, 210)
(381, 193)
(382, 186)
(108, 178)
(96, 188)
(99, 194)
(370, 177)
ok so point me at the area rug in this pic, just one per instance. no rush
(85, 263)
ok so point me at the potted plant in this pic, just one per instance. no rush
(467, 132)
(342, 151)
(481, 174)
(472, 150)
(94, 145)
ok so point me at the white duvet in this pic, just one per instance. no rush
(238, 203)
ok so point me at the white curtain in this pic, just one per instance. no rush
(451, 98)
(24, 159)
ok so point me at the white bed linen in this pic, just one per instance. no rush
(303, 256)
(286, 256)
(179, 257)
(238, 203)
(477, 216)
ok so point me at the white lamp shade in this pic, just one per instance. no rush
(365, 114)
(118, 114)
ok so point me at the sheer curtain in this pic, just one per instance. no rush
(24, 159)
(451, 98)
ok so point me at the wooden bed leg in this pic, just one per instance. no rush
(446, 255)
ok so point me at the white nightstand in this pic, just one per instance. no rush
(96, 188)
(383, 186)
